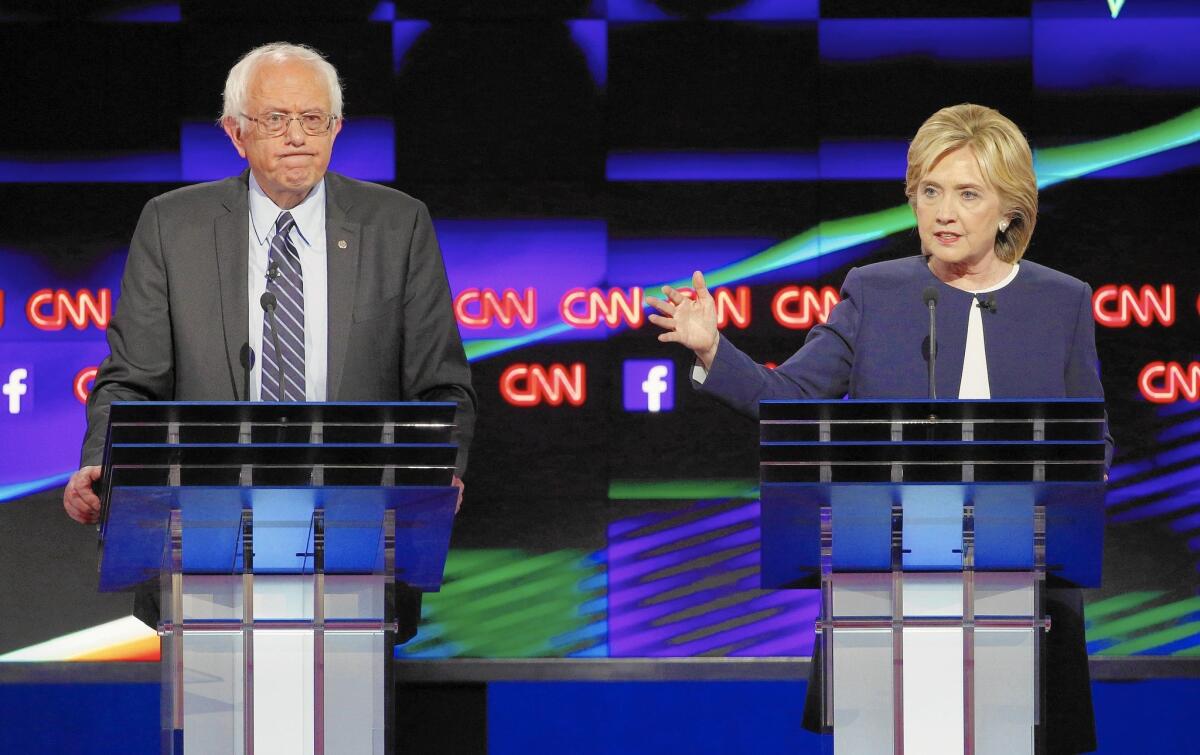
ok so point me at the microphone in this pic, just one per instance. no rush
(246, 356)
(930, 297)
(268, 302)
(988, 305)
(272, 271)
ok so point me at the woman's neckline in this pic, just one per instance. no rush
(1012, 274)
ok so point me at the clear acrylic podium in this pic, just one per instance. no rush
(275, 533)
(930, 528)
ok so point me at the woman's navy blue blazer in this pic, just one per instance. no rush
(1040, 343)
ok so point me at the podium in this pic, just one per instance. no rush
(931, 528)
(275, 532)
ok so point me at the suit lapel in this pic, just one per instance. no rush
(232, 248)
(342, 253)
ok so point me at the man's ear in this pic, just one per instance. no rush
(233, 130)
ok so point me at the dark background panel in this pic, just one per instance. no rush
(102, 218)
(699, 209)
(923, 8)
(493, 9)
(893, 97)
(84, 88)
(712, 86)
(65, 10)
(275, 10)
(488, 101)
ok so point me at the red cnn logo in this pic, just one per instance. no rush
(800, 307)
(52, 310)
(482, 308)
(532, 384)
(1119, 306)
(588, 307)
(83, 383)
(1167, 382)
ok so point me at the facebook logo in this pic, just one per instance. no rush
(649, 385)
(15, 388)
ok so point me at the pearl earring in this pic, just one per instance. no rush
(1003, 226)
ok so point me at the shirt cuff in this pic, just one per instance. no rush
(699, 374)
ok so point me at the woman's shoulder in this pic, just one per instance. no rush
(1047, 279)
(891, 273)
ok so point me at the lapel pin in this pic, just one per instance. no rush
(342, 244)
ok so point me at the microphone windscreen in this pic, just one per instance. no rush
(267, 301)
(930, 295)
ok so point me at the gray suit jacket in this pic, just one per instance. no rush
(180, 330)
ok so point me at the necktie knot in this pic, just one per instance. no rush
(284, 224)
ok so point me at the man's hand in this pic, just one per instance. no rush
(458, 483)
(692, 323)
(80, 501)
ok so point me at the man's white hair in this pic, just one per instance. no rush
(237, 84)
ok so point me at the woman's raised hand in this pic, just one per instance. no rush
(687, 321)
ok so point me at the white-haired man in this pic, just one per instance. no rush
(363, 303)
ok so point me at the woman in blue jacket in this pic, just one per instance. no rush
(1006, 328)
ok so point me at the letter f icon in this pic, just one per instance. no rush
(15, 388)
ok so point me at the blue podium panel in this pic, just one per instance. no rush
(136, 538)
(931, 526)
(866, 512)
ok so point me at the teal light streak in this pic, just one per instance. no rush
(1054, 165)
(1058, 164)
(20, 489)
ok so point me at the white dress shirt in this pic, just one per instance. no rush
(308, 236)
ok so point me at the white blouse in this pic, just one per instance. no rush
(974, 383)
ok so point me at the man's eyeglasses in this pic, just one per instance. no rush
(275, 124)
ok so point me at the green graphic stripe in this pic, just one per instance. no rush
(1155, 639)
(1058, 164)
(1142, 620)
(512, 604)
(1054, 165)
(681, 490)
(1118, 604)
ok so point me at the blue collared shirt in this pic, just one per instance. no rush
(308, 236)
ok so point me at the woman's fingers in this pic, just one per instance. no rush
(665, 307)
(666, 323)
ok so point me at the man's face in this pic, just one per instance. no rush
(289, 165)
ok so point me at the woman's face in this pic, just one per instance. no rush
(958, 211)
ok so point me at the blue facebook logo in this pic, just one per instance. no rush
(649, 385)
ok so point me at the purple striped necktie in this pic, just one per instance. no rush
(286, 281)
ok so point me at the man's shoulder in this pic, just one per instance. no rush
(363, 196)
(198, 198)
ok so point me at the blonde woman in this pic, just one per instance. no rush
(1006, 328)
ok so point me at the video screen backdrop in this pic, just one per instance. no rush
(576, 156)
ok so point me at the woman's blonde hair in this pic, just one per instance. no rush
(1004, 158)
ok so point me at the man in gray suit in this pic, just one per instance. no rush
(362, 301)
